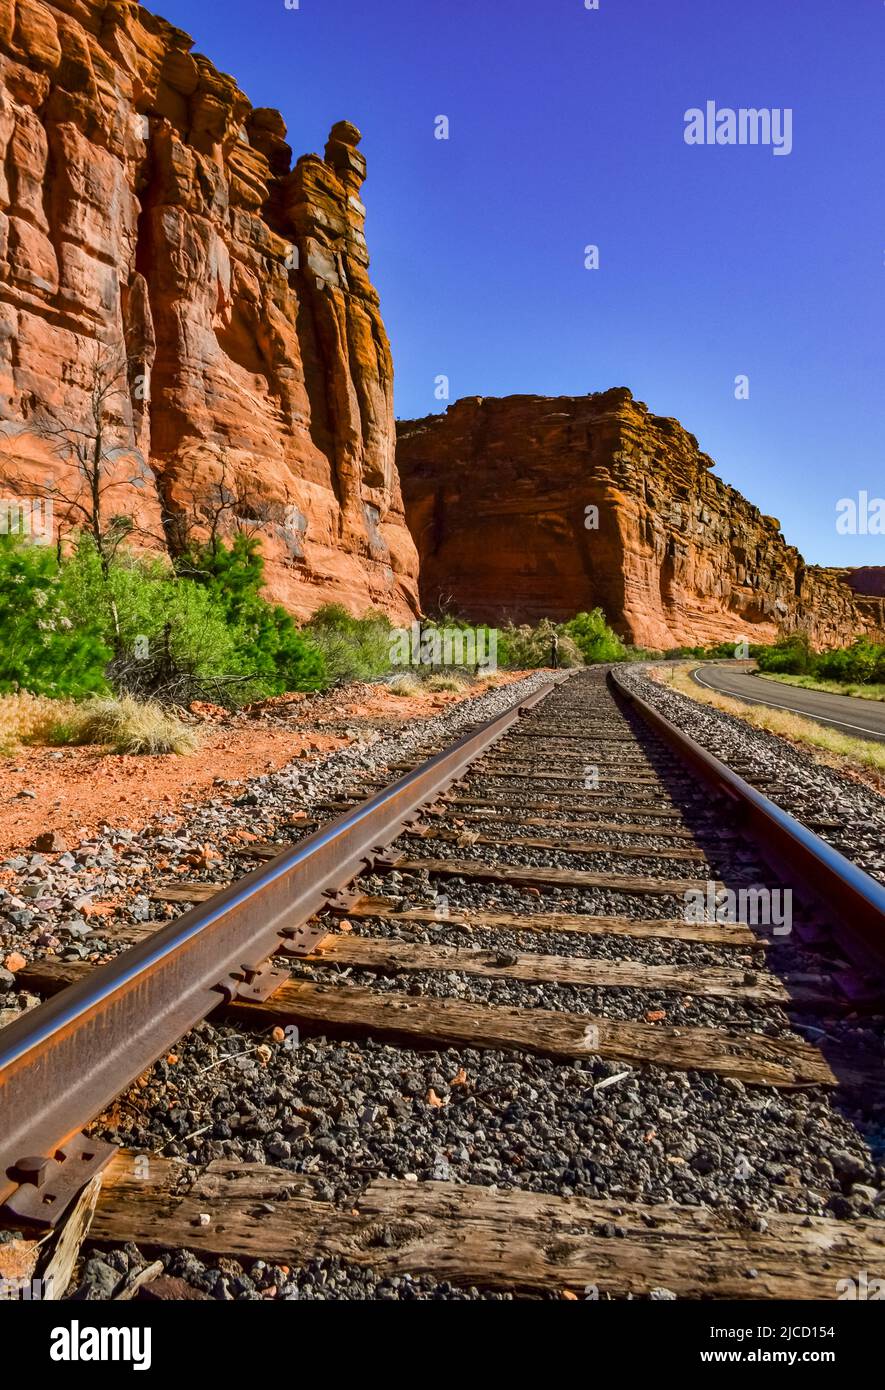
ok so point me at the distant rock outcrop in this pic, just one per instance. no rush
(866, 579)
(143, 201)
(532, 506)
(867, 583)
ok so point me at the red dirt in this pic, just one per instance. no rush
(79, 789)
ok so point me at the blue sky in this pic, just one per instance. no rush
(566, 129)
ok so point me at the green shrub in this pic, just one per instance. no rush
(643, 654)
(351, 649)
(270, 648)
(594, 638)
(861, 663)
(525, 647)
(858, 663)
(170, 638)
(792, 657)
(583, 639)
(201, 631)
(47, 645)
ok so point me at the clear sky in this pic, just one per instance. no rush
(566, 130)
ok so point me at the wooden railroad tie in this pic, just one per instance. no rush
(471, 1235)
(356, 1011)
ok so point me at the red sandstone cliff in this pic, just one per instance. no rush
(144, 202)
(497, 492)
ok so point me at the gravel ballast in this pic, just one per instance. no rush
(340, 1113)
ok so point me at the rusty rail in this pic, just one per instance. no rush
(852, 896)
(63, 1062)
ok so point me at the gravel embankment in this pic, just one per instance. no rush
(69, 904)
(788, 775)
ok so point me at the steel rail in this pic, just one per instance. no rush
(64, 1061)
(855, 898)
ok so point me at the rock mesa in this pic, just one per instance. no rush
(531, 506)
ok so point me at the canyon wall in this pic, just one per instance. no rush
(151, 217)
(532, 506)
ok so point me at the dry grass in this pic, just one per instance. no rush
(404, 685)
(828, 746)
(860, 692)
(126, 725)
(28, 718)
(443, 681)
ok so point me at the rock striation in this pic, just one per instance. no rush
(147, 207)
(867, 583)
(531, 506)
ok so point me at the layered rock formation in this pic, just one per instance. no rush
(145, 206)
(867, 583)
(531, 506)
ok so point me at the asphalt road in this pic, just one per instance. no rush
(860, 718)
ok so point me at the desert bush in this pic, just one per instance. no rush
(26, 718)
(405, 684)
(127, 726)
(642, 654)
(351, 649)
(47, 645)
(524, 647)
(593, 637)
(584, 639)
(719, 651)
(442, 681)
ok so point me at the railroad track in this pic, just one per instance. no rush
(539, 892)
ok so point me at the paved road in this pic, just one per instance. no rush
(860, 718)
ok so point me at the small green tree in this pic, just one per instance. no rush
(593, 637)
(99, 455)
(48, 647)
(169, 638)
(271, 648)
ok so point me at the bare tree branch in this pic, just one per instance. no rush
(93, 444)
